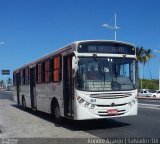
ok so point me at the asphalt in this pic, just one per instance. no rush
(6, 95)
(17, 123)
(150, 101)
(144, 125)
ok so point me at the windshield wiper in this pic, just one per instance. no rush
(99, 66)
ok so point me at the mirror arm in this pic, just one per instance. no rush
(76, 62)
(75, 53)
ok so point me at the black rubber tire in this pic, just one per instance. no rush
(23, 103)
(154, 96)
(56, 113)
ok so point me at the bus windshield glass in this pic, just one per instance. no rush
(106, 74)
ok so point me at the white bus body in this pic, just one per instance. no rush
(59, 83)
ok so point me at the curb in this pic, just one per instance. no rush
(149, 98)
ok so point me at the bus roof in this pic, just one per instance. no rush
(60, 50)
(112, 41)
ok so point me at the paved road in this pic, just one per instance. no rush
(15, 122)
(6, 95)
(149, 101)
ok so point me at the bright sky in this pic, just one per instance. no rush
(30, 29)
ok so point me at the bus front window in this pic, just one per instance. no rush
(106, 74)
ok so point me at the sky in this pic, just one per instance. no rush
(29, 29)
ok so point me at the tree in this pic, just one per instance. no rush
(9, 81)
(143, 56)
(1, 83)
(140, 54)
(149, 55)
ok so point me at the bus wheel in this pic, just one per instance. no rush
(23, 103)
(57, 113)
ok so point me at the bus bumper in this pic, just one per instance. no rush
(84, 113)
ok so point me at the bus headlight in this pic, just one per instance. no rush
(78, 98)
(84, 103)
(92, 106)
(81, 101)
(132, 102)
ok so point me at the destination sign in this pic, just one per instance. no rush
(106, 47)
(98, 85)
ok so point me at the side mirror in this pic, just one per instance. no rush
(75, 64)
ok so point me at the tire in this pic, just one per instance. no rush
(154, 96)
(23, 103)
(56, 113)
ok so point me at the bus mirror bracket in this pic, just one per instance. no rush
(75, 60)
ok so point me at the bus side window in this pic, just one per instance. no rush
(26, 76)
(14, 79)
(57, 69)
(47, 71)
(39, 73)
(43, 72)
(22, 77)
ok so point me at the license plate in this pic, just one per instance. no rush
(112, 112)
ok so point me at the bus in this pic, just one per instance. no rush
(91, 79)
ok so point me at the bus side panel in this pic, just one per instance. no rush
(45, 93)
(15, 95)
(16, 79)
(25, 91)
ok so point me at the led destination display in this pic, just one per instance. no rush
(106, 47)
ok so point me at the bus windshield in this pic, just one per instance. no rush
(106, 74)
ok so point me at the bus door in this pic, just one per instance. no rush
(33, 87)
(68, 87)
(17, 86)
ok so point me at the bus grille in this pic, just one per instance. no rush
(111, 95)
(111, 105)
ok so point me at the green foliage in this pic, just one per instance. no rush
(143, 55)
(149, 84)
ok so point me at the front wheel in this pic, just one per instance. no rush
(57, 113)
(154, 96)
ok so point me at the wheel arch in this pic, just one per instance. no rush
(22, 97)
(23, 101)
(53, 102)
(60, 104)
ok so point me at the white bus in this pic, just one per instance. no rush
(93, 79)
